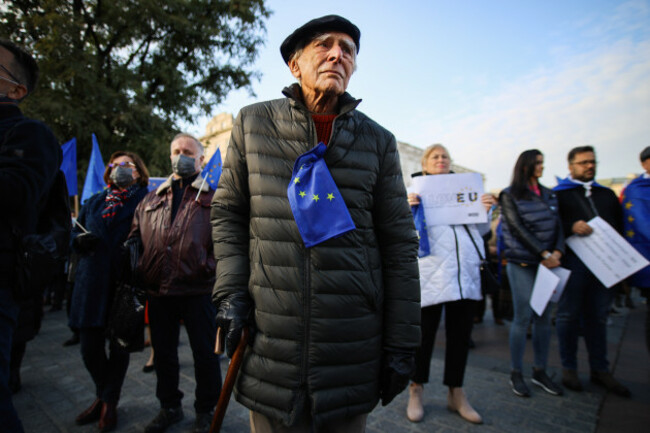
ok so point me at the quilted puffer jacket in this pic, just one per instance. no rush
(531, 225)
(325, 314)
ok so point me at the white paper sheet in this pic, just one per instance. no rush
(545, 283)
(451, 198)
(606, 253)
(564, 275)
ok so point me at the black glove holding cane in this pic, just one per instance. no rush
(233, 313)
(397, 367)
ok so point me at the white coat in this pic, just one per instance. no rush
(451, 272)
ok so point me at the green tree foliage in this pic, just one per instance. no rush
(131, 70)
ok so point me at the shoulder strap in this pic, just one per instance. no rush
(480, 256)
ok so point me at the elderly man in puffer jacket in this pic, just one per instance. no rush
(337, 324)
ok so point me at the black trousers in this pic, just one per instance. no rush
(459, 318)
(107, 370)
(197, 313)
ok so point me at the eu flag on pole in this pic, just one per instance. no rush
(69, 165)
(95, 175)
(421, 227)
(212, 171)
(317, 205)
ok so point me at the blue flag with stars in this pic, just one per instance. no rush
(212, 170)
(95, 175)
(636, 210)
(317, 205)
(421, 226)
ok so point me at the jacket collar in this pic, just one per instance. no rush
(197, 184)
(346, 102)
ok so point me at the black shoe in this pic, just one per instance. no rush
(71, 341)
(605, 378)
(570, 380)
(91, 414)
(164, 419)
(148, 368)
(202, 422)
(518, 385)
(541, 379)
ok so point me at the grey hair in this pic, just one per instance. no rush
(191, 137)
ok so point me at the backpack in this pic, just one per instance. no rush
(42, 255)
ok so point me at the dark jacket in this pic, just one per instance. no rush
(531, 225)
(177, 259)
(324, 314)
(30, 157)
(97, 273)
(575, 206)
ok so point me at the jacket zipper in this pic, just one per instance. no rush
(460, 287)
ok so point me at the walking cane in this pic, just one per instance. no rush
(231, 375)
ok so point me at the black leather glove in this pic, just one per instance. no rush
(233, 313)
(131, 250)
(85, 243)
(396, 370)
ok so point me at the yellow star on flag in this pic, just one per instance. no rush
(315, 197)
(628, 205)
(630, 233)
(296, 180)
(302, 193)
(330, 196)
(630, 218)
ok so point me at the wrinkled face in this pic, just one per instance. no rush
(326, 64)
(126, 162)
(188, 147)
(438, 162)
(583, 166)
(539, 167)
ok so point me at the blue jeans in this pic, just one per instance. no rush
(521, 280)
(8, 315)
(584, 305)
(197, 313)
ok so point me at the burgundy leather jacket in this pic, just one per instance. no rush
(177, 258)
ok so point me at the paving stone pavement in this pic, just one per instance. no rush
(56, 387)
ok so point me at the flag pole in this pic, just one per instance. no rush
(201, 188)
(76, 205)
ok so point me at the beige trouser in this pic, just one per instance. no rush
(263, 424)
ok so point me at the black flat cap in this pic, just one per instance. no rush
(304, 34)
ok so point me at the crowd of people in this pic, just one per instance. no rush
(314, 250)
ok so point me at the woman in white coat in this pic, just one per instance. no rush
(449, 279)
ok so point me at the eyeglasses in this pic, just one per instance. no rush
(122, 164)
(6, 71)
(586, 162)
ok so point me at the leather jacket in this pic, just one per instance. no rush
(177, 257)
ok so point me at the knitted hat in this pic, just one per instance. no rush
(304, 34)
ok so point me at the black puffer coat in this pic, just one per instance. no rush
(325, 314)
(531, 225)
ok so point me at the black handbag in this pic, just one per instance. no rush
(126, 321)
(489, 283)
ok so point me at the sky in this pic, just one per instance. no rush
(488, 79)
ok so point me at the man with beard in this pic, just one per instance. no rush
(585, 301)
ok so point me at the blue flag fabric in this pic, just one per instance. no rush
(95, 175)
(421, 226)
(155, 182)
(636, 224)
(567, 183)
(69, 165)
(317, 205)
(212, 171)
